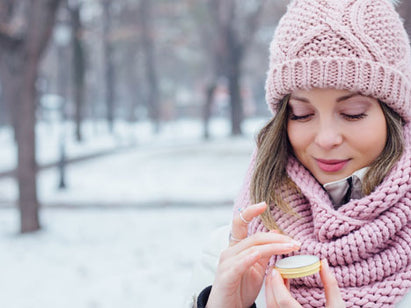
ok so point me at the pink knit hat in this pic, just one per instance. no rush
(357, 45)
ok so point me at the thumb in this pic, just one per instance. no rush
(333, 296)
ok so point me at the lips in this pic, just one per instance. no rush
(331, 165)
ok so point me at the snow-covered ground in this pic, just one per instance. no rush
(103, 258)
(175, 166)
(127, 230)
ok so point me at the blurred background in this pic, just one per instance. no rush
(125, 132)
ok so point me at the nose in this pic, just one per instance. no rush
(328, 135)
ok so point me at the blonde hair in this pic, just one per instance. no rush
(270, 182)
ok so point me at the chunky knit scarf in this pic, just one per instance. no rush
(366, 241)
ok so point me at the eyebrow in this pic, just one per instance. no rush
(340, 99)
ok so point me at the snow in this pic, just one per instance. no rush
(129, 227)
(106, 258)
(173, 167)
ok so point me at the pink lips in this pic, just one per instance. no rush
(332, 165)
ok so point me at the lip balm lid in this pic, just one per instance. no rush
(297, 261)
(298, 266)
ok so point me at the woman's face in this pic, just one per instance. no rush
(335, 132)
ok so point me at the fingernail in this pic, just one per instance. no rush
(261, 204)
(288, 245)
(274, 272)
(296, 243)
(324, 264)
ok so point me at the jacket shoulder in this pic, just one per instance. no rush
(206, 266)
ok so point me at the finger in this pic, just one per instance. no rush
(228, 276)
(278, 292)
(269, 296)
(287, 283)
(228, 258)
(233, 268)
(269, 250)
(264, 238)
(239, 228)
(332, 291)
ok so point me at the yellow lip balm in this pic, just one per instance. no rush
(298, 266)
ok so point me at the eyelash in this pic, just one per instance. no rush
(353, 117)
(297, 118)
(350, 117)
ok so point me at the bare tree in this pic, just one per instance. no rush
(236, 23)
(24, 34)
(109, 62)
(79, 67)
(133, 79)
(147, 41)
(211, 87)
(129, 60)
(8, 42)
(212, 72)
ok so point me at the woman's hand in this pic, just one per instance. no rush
(278, 295)
(241, 269)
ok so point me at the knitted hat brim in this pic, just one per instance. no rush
(356, 75)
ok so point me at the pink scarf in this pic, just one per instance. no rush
(366, 241)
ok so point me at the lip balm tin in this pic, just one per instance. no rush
(298, 266)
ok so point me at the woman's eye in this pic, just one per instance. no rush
(300, 118)
(353, 117)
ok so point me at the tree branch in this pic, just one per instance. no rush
(252, 25)
(6, 10)
(214, 9)
(9, 42)
(40, 25)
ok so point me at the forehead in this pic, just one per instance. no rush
(318, 95)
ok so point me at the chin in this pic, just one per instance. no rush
(327, 178)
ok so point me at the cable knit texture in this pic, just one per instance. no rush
(359, 45)
(366, 241)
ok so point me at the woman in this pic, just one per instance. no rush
(331, 174)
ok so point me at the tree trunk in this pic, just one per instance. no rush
(21, 72)
(22, 55)
(79, 71)
(20, 90)
(109, 65)
(5, 115)
(9, 87)
(149, 52)
(230, 47)
(27, 168)
(207, 108)
(234, 59)
(134, 88)
(236, 108)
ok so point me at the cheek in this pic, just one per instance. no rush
(298, 136)
(370, 139)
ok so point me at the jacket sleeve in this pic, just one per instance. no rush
(205, 268)
(203, 298)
